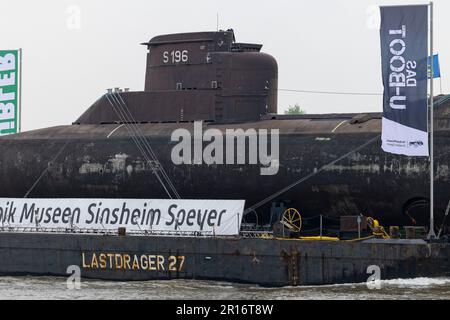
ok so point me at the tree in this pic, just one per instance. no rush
(296, 109)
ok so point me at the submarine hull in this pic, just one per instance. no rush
(83, 162)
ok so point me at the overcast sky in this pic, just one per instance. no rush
(75, 50)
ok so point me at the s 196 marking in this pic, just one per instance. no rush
(176, 56)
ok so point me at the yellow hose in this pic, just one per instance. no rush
(320, 238)
(377, 231)
(360, 239)
(316, 238)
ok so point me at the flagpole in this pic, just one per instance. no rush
(431, 234)
(20, 90)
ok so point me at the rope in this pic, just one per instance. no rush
(333, 92)
(280, 192)
(323, 218)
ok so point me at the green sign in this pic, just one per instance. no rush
(9, 84)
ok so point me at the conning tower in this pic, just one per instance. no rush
(199, 76)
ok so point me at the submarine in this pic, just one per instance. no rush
(127, 146)
(209, 77)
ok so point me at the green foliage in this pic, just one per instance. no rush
(296, 109)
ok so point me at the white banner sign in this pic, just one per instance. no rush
(219, 217)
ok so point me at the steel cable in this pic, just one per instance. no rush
(140, 136)
(138, 144)
(148, 147)
(280, 192)
(45, 170)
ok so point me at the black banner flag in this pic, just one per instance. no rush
(404, 46)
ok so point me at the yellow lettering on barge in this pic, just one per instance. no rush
(124, 261)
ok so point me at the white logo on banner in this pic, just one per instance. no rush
(218, 217)
(403, 72)
(416, 143)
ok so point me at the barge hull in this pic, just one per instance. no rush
(266, 262)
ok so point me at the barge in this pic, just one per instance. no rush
(265, 262)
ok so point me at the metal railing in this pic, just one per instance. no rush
(203, 234)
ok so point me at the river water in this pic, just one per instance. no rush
(56, 288)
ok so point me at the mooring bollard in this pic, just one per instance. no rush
(122, 231)
(410, 232)
(394, 232)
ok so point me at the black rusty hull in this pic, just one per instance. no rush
(266, 262)
(370, 181)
